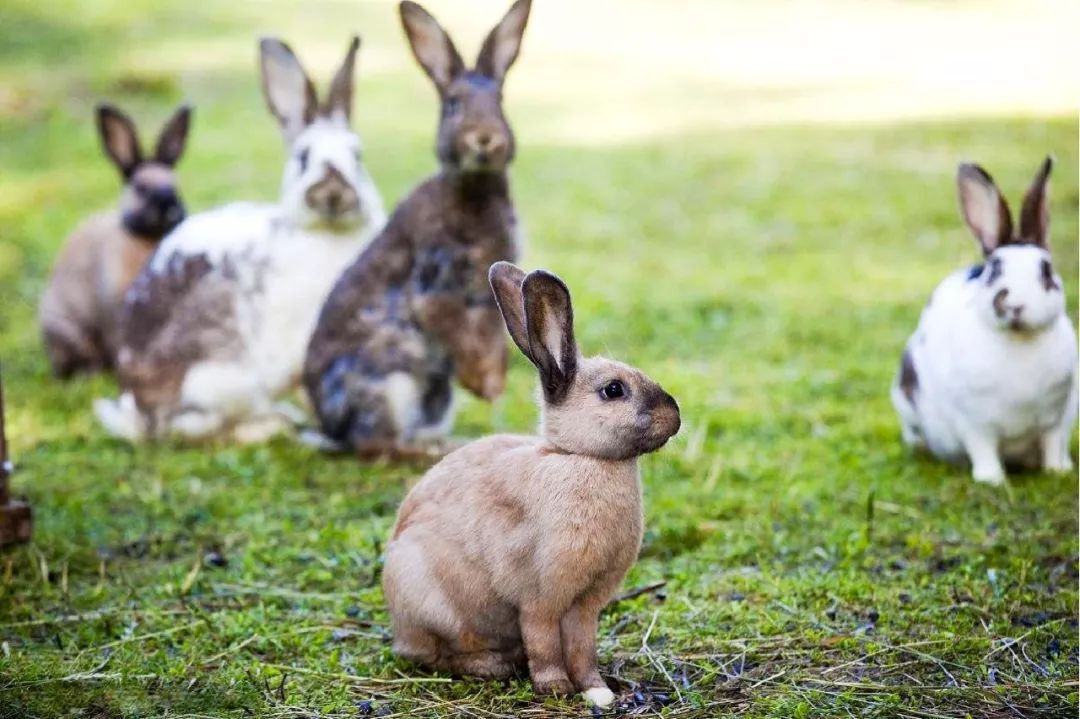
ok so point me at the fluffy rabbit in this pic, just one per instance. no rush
(508, 548)
(100, 259)
(990, 373)
(213, 331)
(415, 309)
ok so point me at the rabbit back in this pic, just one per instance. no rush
(236, 288)
(508, 519)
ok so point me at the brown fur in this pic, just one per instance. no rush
(80, 308)
(172, 320)
(417, 301)
(509, 547)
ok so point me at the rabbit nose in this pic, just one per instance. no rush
(333, 200)
(486, 142)
(670, 401)
(163, 196)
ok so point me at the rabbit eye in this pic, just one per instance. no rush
(613, 390)
(303, 158)
(358, 155)
(452, 105)
(1049, 283)
(995, 270)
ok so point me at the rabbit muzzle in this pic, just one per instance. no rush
(484, 149)
(333, 198)
(657, 422)
(155, 214)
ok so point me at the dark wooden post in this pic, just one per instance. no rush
(15, 516)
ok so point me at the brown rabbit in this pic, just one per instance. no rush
(102, 257)
(508, 548)
(414, 310)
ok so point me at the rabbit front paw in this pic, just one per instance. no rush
(991, 474)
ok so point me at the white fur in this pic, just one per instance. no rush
(282, 261)
(988, 393)
(599, 696)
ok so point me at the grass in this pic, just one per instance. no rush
(766, 271)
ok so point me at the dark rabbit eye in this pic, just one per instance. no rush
(995, 270)
(452, 105)
(1049, 283)
(613, 390)
(303, 158)
(358, 155)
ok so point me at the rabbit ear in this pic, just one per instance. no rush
(501, 47)
(505, 280)
(170, 144)
(339, 103)
(549, 319)
(288, 91)
(984, 208)
(431, 45)
(119, 137)
(1035, 214)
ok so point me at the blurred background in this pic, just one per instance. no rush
(705, 174)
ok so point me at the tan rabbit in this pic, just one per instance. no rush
(506, 550)
(102, 257)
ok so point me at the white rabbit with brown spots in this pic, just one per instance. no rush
(507, 549)
(100, 259)
(214, 330)
(989, 376)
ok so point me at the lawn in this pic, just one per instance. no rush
(761, 247)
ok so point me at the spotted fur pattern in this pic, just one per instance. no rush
(415, 310)
(989, 376)
(214, 330)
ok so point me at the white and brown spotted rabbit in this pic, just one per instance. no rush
(506, 550)
(415, 310)
(100, 259)
(213, 331)
(989, 377)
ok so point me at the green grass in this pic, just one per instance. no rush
(766, 275)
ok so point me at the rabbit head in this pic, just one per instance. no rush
(591, 406)
(325, 184)
(474, 135)
(150, 205)
(1017, 288)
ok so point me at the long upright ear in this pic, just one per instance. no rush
(288, 91)
(119, 138)
(501, 47)
(984, 208)
(339, 103)
(505, 280)
(173, 137)
(433, 48)
(1035, 214)
(549, 319)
